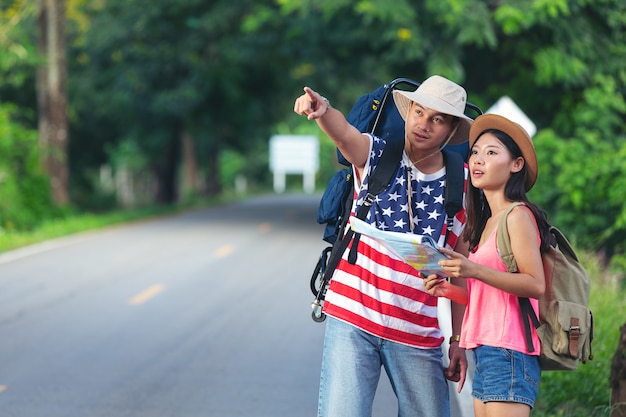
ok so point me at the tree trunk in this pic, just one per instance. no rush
(52, 96)
(214, 183)
(618, 377)
(190, 185)
(165, 170)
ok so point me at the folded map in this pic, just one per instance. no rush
(419, 251)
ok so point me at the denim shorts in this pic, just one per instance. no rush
(505, 375)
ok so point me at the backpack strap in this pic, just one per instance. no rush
(506, 254)
(378, 181)
(504, 240)
(455, 183)
(382, 174)
(528, 315)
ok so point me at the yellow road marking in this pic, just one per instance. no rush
(147, 294)
(265, 227)
(224, 251)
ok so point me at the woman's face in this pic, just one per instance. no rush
(491, 164)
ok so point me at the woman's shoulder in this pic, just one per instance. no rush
(520, 212)
(521, 216)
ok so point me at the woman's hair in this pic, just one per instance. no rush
(478, 210)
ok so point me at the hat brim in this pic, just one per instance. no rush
(517, 133)
(403, 101)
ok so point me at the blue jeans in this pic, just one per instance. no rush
(351, 365)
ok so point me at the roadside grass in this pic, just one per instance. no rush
(76, 223)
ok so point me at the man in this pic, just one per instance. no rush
(379, 314)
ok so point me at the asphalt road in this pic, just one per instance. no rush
(201, 314)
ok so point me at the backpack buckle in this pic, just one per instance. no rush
(574, 335)
(369, 200)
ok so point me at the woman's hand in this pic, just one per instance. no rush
(439, 286)
(458, 265)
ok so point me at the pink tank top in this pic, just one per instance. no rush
(493, 316)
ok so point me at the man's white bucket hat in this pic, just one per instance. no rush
(442, 95)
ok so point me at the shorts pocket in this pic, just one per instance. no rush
(532, 369)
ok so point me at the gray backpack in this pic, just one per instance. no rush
(565, 323)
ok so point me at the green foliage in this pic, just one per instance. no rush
(232, 166)
(17, 52)
(24, 190)
(176, 66)
(227, 74)
(582, 177)
(18, 58)
(250, 166)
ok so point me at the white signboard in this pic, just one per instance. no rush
(294, 154)
(507, 108)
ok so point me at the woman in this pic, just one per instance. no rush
(503, 168)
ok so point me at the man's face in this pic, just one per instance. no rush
(426, 127)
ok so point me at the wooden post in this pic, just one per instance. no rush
(52, 97)
(618, 377)
(190, 186)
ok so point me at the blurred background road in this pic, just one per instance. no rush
(206, 313)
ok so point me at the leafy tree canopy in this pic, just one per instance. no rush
(144, 73)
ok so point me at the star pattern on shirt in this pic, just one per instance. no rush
(391, 208)
(394, 196)
(388, 212)
(434, 215)
(399, 223)
(428, 231)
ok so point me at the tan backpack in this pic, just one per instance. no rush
(565, 323)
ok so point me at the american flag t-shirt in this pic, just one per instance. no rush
(380, 294)
(391, 210)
